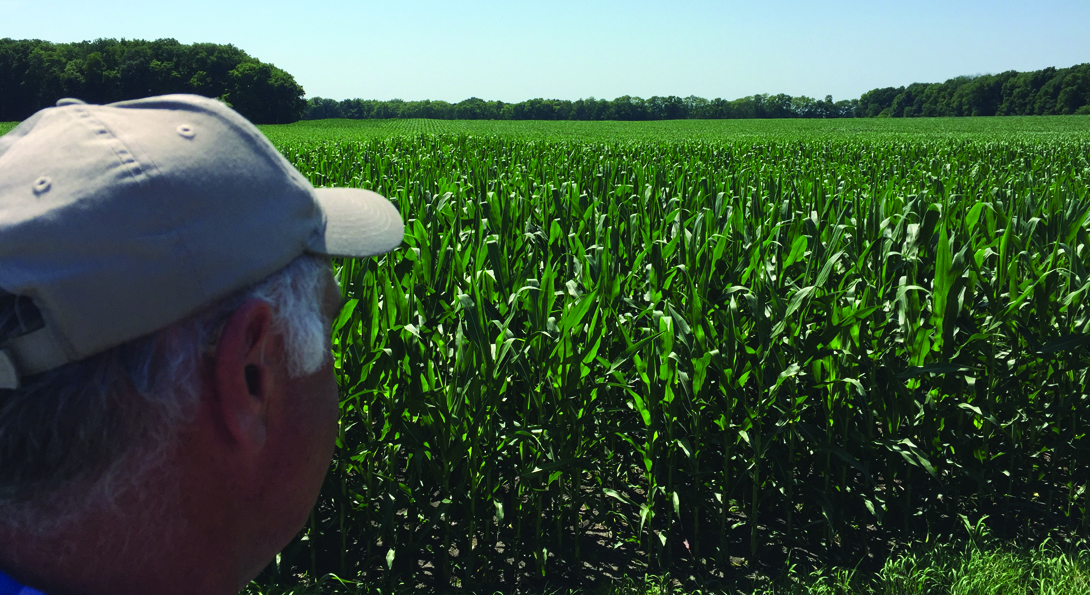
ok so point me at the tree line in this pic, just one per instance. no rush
(1045, 92)
(626, 107)
(34, 74)
(1050, 91)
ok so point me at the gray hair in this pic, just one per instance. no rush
(75, 438)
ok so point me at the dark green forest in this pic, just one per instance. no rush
(1046, 92)
(622, 108)
(34, 74)
(1050, 91)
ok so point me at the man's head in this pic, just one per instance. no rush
(73, 438)
(165, 303)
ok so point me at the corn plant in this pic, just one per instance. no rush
(702, 353)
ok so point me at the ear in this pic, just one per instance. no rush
(245, 377)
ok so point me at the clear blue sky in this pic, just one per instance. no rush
(565, 49)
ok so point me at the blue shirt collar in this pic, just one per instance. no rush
(8, 586)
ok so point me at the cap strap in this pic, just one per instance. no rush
(29, 354)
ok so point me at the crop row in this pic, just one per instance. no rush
(695, 355)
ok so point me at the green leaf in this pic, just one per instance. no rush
(1064, 343)
(798, 298)
(685, 447)
(641, 407)
(917, 371)
(632, 350)
(617, 496)
(798, 249)
(574, 316)
(345, 315)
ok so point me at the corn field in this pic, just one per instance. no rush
(601, 356)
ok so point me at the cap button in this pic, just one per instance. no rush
(42, 185)
(70, 101)
(186, 131)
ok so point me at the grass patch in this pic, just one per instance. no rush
(958, 570)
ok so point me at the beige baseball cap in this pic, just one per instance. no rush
(118, 220)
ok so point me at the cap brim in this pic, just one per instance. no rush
(359, 223)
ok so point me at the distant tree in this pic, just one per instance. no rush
(697, 107)
(779, 106)
(748, 107)
(472, 109)
(1075, 92)
(874, 103)
(34, 74)
(719, 108)
(319, 108)
(847, 108)
(265, 94)
(627, 107)
(357, 108)
(1049, 91)
(805, 107)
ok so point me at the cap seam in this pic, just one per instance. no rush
(256, 142)
(165, 205)
(146, 172)
(227, 118)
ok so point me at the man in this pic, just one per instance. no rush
(168, 408)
